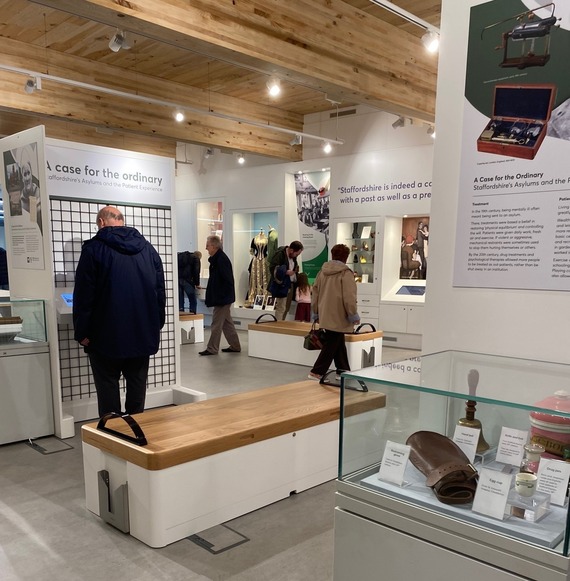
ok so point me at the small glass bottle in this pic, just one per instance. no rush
(531, 459)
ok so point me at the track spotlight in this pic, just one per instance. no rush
(119, 41)
(431, 131)
(179, 116)
(273, 86)
(400, 122)
(431, 41)
(32, 85)
(208, 153)
(297, 140)
(241, 159)
(327, 147)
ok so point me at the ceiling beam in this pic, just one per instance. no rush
(326, 45)
(11, 123)
(120, 113)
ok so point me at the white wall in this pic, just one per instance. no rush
(373, 151)
(529, 324)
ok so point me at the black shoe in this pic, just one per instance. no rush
(206, 353)
(230, 350)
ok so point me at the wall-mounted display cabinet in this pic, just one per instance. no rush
(388, 510)
(360, 237)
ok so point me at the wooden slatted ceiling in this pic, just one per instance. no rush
(218, 54)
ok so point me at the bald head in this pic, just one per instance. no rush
(109, 216)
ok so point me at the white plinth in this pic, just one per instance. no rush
(191, 329)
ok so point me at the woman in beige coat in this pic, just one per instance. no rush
(334, 307)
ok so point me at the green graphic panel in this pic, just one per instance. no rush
(485, 55)
(311, 267)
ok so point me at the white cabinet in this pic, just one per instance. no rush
(402, 325)
(402, 318)
(368, 308)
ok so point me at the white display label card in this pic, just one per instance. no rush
(511, 446)
(492, 493)
(394, 463)
(553, 476)
(467, 439)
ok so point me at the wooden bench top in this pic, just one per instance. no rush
(179, 434)
(299, 328)
(190, 317)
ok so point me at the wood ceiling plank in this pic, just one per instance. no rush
(11, 123)
(325, 44)
(34, 58)
(71, 103)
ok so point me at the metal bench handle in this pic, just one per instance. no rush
(139, 438)
(273, 318)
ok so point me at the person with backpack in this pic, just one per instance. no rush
(286, 256)
(188, 279)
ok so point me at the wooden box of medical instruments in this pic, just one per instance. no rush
(519, 122)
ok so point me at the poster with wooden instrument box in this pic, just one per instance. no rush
(519, 122)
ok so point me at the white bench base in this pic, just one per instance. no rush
(191, 329)
(362, 351)
(170, 504)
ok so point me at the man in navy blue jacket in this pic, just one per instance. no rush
(119, 307)
(220, 294)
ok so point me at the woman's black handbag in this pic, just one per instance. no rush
(313, 339)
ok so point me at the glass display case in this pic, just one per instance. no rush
(26, 401)
(252, 232)
(510, 421)
(22, 321)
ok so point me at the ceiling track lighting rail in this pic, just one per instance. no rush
(430, 40)
(175, 106)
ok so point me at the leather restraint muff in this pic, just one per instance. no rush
(447, 469)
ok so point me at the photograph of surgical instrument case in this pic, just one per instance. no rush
(519, 122)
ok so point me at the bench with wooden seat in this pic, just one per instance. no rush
(285, 343)
(211, 461)
(191, 328)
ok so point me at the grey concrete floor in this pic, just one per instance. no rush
(46, 533)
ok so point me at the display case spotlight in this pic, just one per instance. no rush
(297, 140)
(119, 41)
(431, 41)
(327, 147)
(32, 85)
(400, 122)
